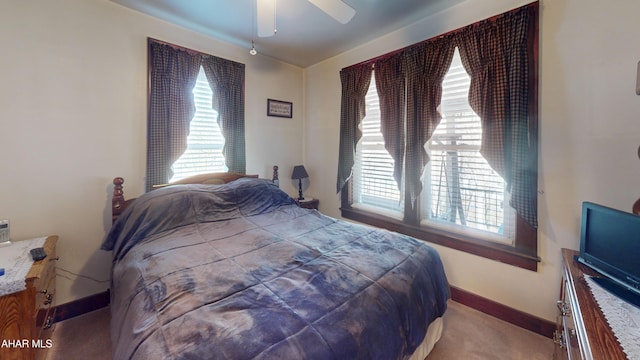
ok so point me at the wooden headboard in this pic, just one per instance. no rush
(119, 203)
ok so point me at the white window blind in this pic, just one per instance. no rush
(465, 192)
(205, 141)
(373, 183)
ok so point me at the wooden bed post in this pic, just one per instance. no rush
(117, 200)
(275, 176)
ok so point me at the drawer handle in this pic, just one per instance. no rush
(563, 307)
(558, 339)
(48, 322)
(48, 299)
(44, 291)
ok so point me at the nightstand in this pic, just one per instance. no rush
(25, 315)
(308, 203)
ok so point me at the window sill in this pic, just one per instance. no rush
(494, 251)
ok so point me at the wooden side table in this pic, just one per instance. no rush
(27, 315)
(308, 203)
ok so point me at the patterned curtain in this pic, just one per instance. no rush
(390, 82)
(226, 79)
(355, 83)
(496, 56)
(426, 65)
(171, 108)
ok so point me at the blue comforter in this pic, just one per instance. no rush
(239, 271)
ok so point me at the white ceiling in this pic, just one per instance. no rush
(305, 36)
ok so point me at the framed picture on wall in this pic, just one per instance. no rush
(279, 108)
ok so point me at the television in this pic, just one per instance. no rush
(610, 244)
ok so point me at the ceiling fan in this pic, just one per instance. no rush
(266, 13)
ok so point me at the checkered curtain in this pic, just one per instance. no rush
(355, 83)
(171, 108)
(390, 82)
(496, 56)
(426, 65)
(226, 79)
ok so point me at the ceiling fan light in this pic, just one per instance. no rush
(337, 9)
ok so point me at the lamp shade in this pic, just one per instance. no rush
(299, 172)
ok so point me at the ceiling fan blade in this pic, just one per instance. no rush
(266, 17)
(336, 9)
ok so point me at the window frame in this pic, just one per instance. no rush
(524, 252)
(519, 255)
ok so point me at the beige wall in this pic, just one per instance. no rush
(73, 79)
(589, 132)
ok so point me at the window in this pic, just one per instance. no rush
(374, 186)
(460, 199)
(462, 192)
(205, 141)
(173, 72)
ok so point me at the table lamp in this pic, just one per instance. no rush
(299, 173)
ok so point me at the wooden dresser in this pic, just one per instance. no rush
(25, 316)
(583, 331)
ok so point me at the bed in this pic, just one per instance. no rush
(235, 269)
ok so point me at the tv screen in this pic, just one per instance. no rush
(610, 244)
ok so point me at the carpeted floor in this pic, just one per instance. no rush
(468, 334)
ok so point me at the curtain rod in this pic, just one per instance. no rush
(448, 33)
(177, 47)
(189, 51)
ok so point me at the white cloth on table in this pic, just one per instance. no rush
(16, 261)
(623, 318)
